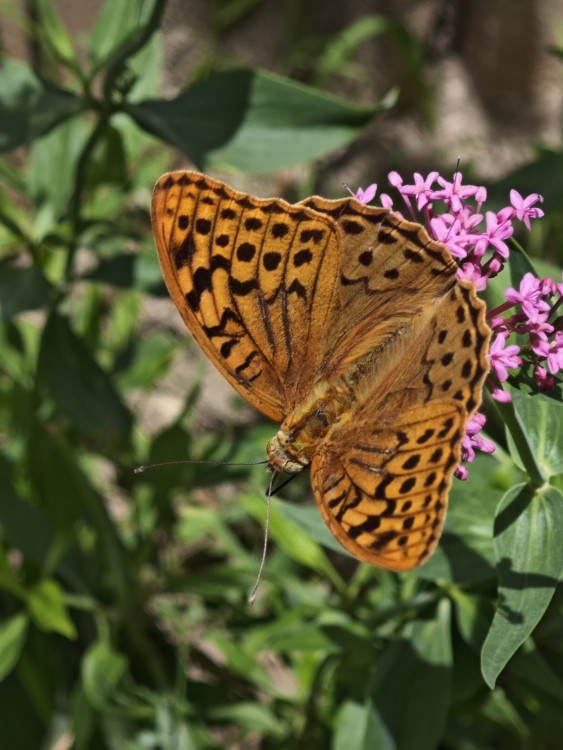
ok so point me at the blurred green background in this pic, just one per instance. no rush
(123, 614)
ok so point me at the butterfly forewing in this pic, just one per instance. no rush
(251, 278)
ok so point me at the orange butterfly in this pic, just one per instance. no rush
(347, 325)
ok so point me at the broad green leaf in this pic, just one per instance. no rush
(117, 22)
(356, 728)
(146, 67)
(22, 289)
(80, 388)
(412, 683)
(13, 633)
(30, 106)
(46, 606)
(529, 566)
(53, 161)
(542, 418)
(252, 121)
(102, 669)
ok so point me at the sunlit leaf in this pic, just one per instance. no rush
(529, 566)
(13, 633)
(253, 121)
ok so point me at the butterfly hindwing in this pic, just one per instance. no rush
(383, 489)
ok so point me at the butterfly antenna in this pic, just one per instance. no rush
(142, 469)
(252, 595)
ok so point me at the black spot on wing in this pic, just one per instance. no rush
(296, 287)
(246, 251)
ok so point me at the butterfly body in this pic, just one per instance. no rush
(346, 325)
(310, 424)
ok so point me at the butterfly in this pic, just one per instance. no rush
(347, 325)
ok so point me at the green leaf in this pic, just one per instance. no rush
(309, 519)
(22, 289)
(340, 48)
(474, 615)
(412, 684)
(295, 542)
(80, 388)
(250, 716)
(291, 631)
(529, 565)
(108, 162)
(54, 158)
(102, 669)
(149, 359)
(54, 33)
(30, 106)
(24, 525)
(46, 606)
(356, 729)
(530, 668)
(542, 419)
(13, 634)
(253, 121)
(228, 12)
(519, 264)
(62, 489)
(140, 271)
(117, 21)
(241, 661)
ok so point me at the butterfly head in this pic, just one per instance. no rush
(281, 458)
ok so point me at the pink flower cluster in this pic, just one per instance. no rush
(538, 301)
(478, 242)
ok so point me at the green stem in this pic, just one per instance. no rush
(513, 423)
(80, 179)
